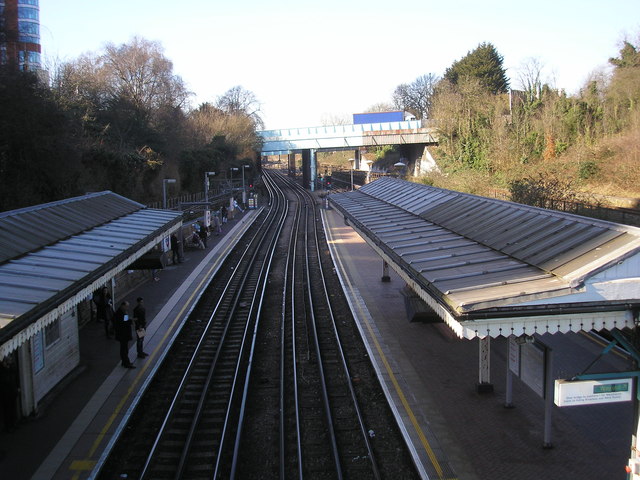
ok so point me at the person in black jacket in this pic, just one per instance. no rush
(104, 308)
(9, 392)
(140, 322)
(122, 325)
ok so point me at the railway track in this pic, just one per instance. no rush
(268, 377)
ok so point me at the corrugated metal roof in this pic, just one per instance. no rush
(474, 253)
(87, 251)
(28, 229)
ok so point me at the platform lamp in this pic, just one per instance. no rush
(352, 161)
(400, 168)
(244, 190)
(164, 190)
(233, 169)
(231, 205)
(206, 185)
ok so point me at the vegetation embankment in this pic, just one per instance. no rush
(116, 120)
(120, 120)
(536, 138)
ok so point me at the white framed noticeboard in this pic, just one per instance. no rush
(590, 392)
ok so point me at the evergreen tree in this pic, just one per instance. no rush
(484, 64)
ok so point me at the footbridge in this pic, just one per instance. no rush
(410, 134)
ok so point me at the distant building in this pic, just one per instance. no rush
(20, 33)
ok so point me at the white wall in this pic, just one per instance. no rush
(58, 359)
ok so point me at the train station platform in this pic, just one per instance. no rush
(429, 374)
(77, 421)
(431, 377)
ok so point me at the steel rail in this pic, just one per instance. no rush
(289, 287)
(324, 389)
(193, 360)
(361, 422)
(245, 391)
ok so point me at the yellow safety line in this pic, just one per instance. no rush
(80, 465)
(396, 384)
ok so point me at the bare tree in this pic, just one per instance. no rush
(239, 101)
(530, 78)
(416, 97)
(329, 119)
(380, 107)
(139, 73)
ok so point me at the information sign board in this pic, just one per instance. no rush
(532, 363)
(591, 392)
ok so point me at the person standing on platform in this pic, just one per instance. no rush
(122, 324)
(175, 249)
(202, 231)
(217, 223)
(140, 322)
(9, 392)
(104, 308)
(223, 214)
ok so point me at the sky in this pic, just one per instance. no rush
(311, 61)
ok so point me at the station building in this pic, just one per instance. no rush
(53, 257)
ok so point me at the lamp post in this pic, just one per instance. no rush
(207, 215)
(244, 190)
(233, 169)
(352, 161)
(231, 201)
(368, 162)
(206, 185)
(400, 168)
(164, 190)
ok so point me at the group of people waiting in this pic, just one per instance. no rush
(118, 323)
(200, 232)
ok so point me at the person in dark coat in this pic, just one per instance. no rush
(122, 325)
(104, 308)
(140, 322)
(9, 392)
(223, 214)
(202, 231)
(175, 249)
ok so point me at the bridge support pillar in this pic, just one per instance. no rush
(291, 159)
(356, 157)
(313, 170)
(309, 168)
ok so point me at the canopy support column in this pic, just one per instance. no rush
(385, 272)
(484, 371)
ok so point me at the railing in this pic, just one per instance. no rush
(215, 195)
(625, 216)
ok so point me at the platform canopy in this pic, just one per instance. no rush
(53, 256)
(489, 267)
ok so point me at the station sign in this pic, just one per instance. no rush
(590, 392)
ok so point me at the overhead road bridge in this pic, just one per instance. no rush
(309, 140)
